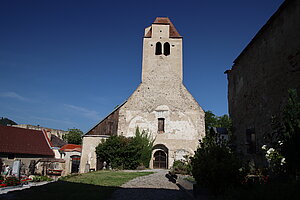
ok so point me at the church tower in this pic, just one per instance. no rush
(162, 52)
(161, 105)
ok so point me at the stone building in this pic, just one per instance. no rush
(24, 145)
(259, 80)
(160, 105)
(50, 131)
(70, 153)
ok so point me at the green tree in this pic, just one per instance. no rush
(144, 145)
(211, 120)
(215, 166)
(74, 136)
(114, 152)
(285, 135)
(126, 153)
(291, 133)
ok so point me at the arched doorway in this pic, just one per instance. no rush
(160, 160)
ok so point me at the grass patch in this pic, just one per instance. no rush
(105, 178)
(94, 185)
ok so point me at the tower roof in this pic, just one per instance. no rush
(166, 21)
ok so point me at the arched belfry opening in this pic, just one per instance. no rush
(166, 48)
(158, 48)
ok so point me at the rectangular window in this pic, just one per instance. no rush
(161, 125)
(251, 140)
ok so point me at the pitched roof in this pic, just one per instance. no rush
(71, 147)
(264, 28)
(165, 20)
(23, 141)
(117, 108)
(57, 142)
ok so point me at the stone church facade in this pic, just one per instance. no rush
(161, 105)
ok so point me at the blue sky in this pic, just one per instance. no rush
(68, 63)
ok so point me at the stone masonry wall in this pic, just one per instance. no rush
(262, 74)
(162, 95)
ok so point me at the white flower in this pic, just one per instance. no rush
(280, 143)
(264, 147)
(271, 150)
(282, 161)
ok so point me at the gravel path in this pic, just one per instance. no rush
(154, 186)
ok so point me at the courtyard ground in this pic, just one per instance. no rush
(155, 186)
(151, 184)
(96, 185)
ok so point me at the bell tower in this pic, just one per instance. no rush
(162, 53)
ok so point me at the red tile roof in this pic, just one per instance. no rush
(23, 141)
(71, 147)
(165, 20)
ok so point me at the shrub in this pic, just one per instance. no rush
(12, 181)
(143, 144)
(214, 165)
(285, 135)
(182, 167)
(41, 178)
(126, 153)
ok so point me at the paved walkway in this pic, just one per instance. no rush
(154, 186)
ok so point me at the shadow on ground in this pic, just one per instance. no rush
(62, 190)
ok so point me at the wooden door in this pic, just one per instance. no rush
(160, 160)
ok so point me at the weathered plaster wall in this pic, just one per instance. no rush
(262, 74)
(162, 95)
(68, 162)
(88, 154)
(184, 118)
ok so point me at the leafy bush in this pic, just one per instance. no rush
(275, 160)
(291, 142)
(12, 181)
(126, 153)
(182, 167)
(214, 165)
(143, 144)
(285, 135)
(41, 178)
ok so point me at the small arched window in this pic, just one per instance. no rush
(158, 48)
(166, 49)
